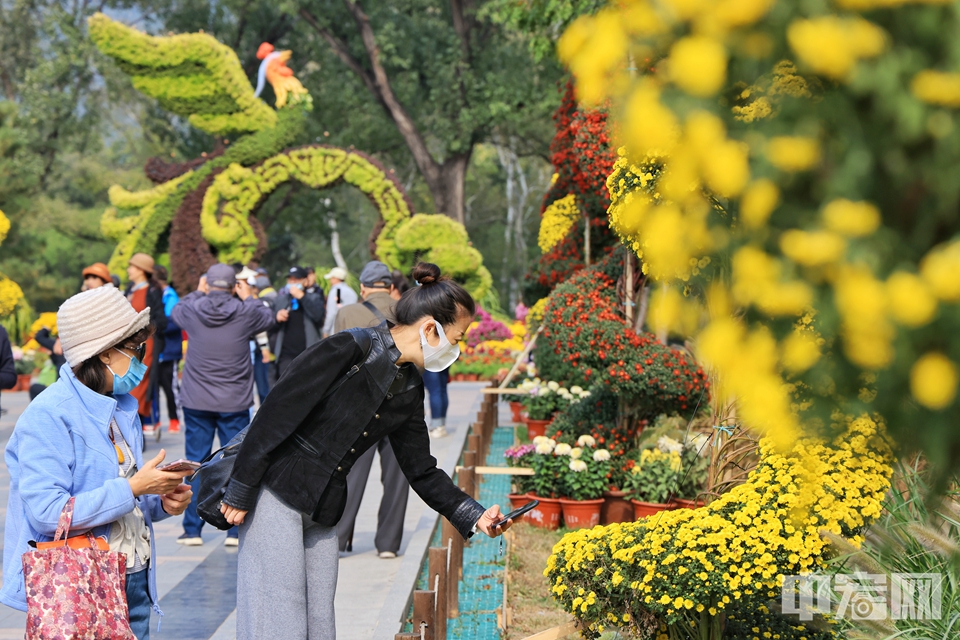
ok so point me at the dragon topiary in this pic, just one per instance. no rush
(208, 205)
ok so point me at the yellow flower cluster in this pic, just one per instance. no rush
(48, 320)
(936, 87)
(4, 227)
(688, 565)
(535, 315)
(832, 45)
(512, 345)
(10, 295)
(10, 292)
(558, 219)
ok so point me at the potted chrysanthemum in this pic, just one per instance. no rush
(584, 480)
(520, 456)
(548, 462)
(653, 480)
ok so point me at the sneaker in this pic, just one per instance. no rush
(174, 426)
(231, 541)
(386, 555)
(439, 432)
(189, 540)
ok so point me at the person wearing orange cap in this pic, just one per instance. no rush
(144, 292)
(96, 275)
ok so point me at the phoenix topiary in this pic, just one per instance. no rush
(208, 205)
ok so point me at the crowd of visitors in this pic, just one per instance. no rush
(118, 355)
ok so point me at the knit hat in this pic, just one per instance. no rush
(337, 272)
(99, 270)
(93, 321)
(142, 261)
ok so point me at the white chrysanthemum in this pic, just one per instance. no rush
(601, 455)
(538, 439)
(544, 391)
(576, 390)
(544, 448)
(668, 444)
(578, 465)
(586, 441)
(562, 449)
(553, 385)
(697, 440)
(576, 452)
(585, 394)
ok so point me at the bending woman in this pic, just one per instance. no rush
(339, 398)
(81, 438)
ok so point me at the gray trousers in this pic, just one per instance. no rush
(393, 505)
(286, 574)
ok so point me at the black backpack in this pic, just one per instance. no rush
(211, 479)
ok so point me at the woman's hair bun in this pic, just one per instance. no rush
(426, 273)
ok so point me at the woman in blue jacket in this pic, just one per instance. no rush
(82, 438)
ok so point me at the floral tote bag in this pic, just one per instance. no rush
(75, 592)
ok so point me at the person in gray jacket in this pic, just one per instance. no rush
(217, 387)
(300, 312)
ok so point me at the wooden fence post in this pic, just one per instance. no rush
(424, 607)
(452, 539)
(407, 636)
(474, 443)
(438, 580)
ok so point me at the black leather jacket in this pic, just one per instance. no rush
(302, 446)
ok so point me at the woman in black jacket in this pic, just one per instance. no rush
(336, 400)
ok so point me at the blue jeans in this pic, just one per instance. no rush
(138, 604)
(261, 375)
(199, 428)
(436, 384)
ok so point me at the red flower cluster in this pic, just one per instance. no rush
(583, 158)
(586, 342)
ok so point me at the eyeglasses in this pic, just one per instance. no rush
(139, 351)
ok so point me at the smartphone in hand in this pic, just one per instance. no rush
(180, 465)
(516, 513)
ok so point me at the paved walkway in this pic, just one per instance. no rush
(197, 585)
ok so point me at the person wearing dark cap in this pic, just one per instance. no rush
(217, 389)
(377, 308)
(300, 313)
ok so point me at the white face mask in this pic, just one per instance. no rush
(438, 358)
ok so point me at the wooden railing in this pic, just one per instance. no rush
(432, 607)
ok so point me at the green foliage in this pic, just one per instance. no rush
(444, 242)
(548, 470)
(542, 20)
(191, 75)
(655, 476)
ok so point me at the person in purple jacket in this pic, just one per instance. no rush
(216, 392)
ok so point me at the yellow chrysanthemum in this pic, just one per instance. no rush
(851, 219)
(937, 87)
(832, 46)
(558, 218)
(933, 381)
(698, 65)
(911, 302)
(793, 153)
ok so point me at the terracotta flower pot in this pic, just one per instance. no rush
(545, 515)
(682, 503)
(23, 382)
(616, 508)
(516, 411)
(517, 500)
(458, 377)
(581, 514)
(470, 377)
(537, 427)
(644, 509)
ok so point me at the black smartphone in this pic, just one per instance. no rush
(517, 512)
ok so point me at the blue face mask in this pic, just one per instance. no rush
(128, 381)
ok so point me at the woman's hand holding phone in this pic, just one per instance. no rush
(490, 518)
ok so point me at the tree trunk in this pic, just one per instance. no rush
(447, 188)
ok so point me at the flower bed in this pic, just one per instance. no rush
(686, 569)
